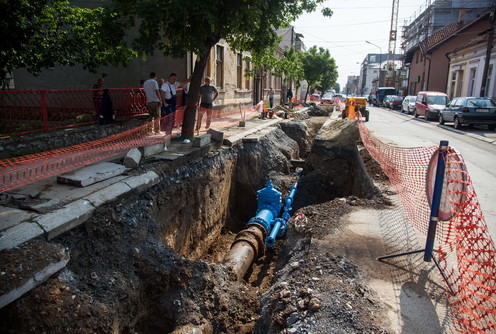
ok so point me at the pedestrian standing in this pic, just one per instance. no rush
(153, 100)
(168, 93)
(98, 94)
(270, 96)
(207, 96)
(106, 113)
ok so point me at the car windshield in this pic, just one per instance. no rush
(327, 96)
(438, 99)
(398, 98)
(480, 103)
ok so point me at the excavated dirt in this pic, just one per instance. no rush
(151, 262)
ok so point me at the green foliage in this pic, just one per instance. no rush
(319, 68)
(38, 34)
(290, 65)
(337, 88)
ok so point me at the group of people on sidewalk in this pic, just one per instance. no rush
(161, 98)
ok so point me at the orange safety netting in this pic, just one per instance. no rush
(16, 172)
(465, 250)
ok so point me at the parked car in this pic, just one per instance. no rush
(315, 98)
(386, 100)
(395, 102)
(372, 99)
(428, 104)
(381, 93)
(327, 98)
(408, 104)
(470, 111)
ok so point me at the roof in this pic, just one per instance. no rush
(443, 35)
(474, 41)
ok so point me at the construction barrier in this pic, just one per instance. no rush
(29, 111)
(19, 171)
(465, 251)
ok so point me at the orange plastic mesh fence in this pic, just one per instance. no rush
(465, 250)
(16, 172)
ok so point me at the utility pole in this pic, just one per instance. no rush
(488, 53)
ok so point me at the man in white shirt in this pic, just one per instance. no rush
(153, 100)
(168, 93)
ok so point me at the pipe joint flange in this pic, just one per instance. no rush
(254, 237)
(260, 222)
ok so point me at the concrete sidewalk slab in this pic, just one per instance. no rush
(142, 182)
(39, 276)
(91, 174)
(10, 217)
(20, 233)
(108, 194)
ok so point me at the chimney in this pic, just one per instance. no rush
(461, 15)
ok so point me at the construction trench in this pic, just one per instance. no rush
(162, 262)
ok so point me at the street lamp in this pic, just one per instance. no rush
(380, 58)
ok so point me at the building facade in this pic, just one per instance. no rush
(467, 67)
(427, 62)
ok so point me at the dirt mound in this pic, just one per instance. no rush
(139, 264)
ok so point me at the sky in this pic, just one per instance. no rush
(353, 22)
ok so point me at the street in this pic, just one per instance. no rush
(403, 130)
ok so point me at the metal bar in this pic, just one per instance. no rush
(436, 200)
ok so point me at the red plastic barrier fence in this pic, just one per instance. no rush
(28, 111)
(16, 172)
(466, 252)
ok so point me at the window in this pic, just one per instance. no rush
(372, 59)
(471, 82)
(247, 78)
(219, 69)
(453, 84)
(459, 84)
(239, 73)
(488, 82)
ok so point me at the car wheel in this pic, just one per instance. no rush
(415, 113)
(491, 127)
(441, 120)
(457, 125)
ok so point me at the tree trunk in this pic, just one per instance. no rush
(188, 128)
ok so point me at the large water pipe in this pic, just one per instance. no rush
(249, 243)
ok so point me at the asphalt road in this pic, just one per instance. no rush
(474, 145)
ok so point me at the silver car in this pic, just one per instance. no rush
(469, 111)
(408, 104)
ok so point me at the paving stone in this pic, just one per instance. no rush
(108, 194)
(19, 234)
(148, 151)
(91, 174)
(217, 136)
(143, 182)
(38, 278)
(132, 158)
(10, 217)
(62, 220)
(202, 140)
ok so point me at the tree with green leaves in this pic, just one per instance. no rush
(38, 34)
(177, 26)
(290, 66)
(317, 65)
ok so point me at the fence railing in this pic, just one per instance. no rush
(23, 112)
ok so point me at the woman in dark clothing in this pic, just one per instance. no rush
(107, 109)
